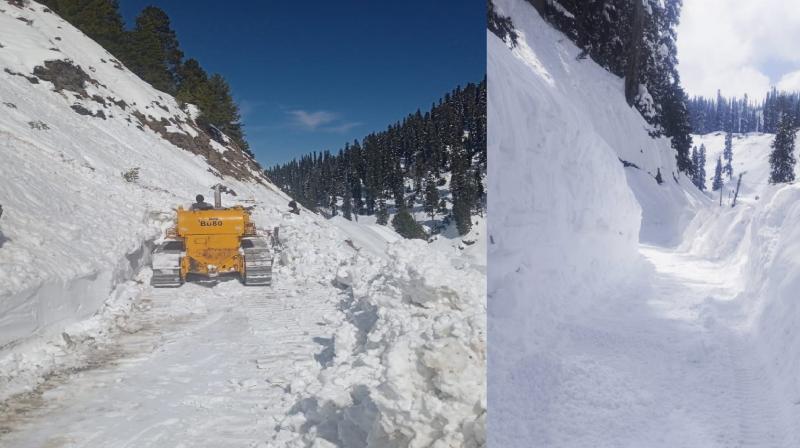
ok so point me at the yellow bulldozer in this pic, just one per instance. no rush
(211, 242)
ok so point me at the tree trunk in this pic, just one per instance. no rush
(736, 195)
(634, 53)
(540, 6)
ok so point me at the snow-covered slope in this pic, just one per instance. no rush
(570, 336)
(75, 238)
(72, 227)
(751, 157)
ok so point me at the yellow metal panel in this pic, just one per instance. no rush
(233, 221)
(212, 239)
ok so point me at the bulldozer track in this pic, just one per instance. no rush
(194, 366)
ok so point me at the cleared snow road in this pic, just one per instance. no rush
(194, 366)
(733, 401)
(662, 366)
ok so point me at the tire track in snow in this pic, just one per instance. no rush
(660, 366)
(195, 366)
(763, 421)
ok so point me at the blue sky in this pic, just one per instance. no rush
(311, 76)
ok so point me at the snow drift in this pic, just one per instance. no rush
(408, 368)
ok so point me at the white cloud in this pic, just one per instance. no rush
(312, 120)
(321, 120)
(733, 44)
(790, 82)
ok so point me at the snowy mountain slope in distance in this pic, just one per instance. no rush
(751, 159)
(75, 239)
(750, 156)
(472, 245)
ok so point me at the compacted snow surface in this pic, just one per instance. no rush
(624, 313)
(200, 366)
(363, 340)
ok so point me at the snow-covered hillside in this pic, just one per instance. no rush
(75, 238)
(623, 312)
(751, 157)
(70, 219)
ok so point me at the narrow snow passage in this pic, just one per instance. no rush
(661, 367)
(195, 366)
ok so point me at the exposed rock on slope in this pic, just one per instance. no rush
(45, 50)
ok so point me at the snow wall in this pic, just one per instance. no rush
(567, 216)
(758, 239)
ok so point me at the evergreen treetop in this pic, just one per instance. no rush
(782, 159)
(151, 50)
(716, 184)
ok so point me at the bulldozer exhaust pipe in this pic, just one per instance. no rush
(217, 197)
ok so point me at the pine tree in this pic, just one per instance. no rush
(635, 50)
(742, 115)
(451, 137)
(717, 183)
(214, 99)
(462, 190)
(442, 210)
(98, 19)
(224, 113)
(193, 84)
(501, 26)
(701, 159)
(405, 225)
(699, 170)
(146, 54)
(727, 153)
(333, 206)
(431, 197)
(347, 206)
(677, 127)
(382, 216)
(782, 160)
(695, 166)
(154, 53)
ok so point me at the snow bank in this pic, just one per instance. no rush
(602, 117)
(409, 368)
(567, 215)
(566, 226)
(759, 240)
